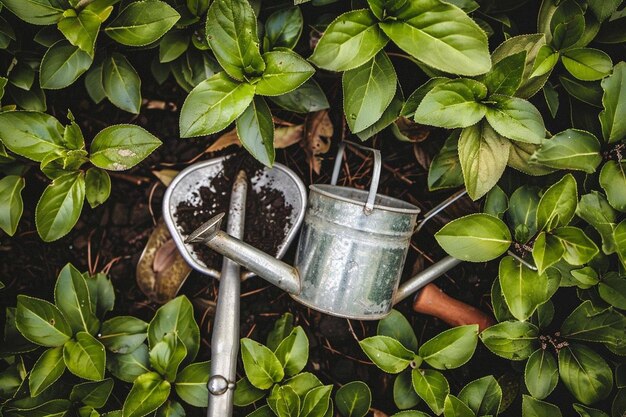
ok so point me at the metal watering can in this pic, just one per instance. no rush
(351, 253)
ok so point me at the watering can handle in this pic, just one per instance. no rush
(371, 197)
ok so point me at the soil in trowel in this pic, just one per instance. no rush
(267, 212)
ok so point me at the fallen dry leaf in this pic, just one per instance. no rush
(378, 413)
(422, 157)
(166, 176)
(318, 132)
(164, 256)
(411, 131)
(287, 136)
(227, 139)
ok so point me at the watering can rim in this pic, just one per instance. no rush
(327, 191)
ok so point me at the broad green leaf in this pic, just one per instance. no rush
(283, 28)
(570, 149)
(440, 35)
(483, 154)
(387, 353)
(41, 322)
(541, 374)
(537, 408)
(97, 186)
(417, 96)
(546, 59)
(516, 119)
(93, 83)
(284, 72)
(411, 413)
(309, 97)
(214, 104)
(588, 412)
(129, 366)
(246, 393)
(547, 250)
(166, 356)
(93, 394)
(11, 203)
(350, 41)
(353, 399)
(316, 402)
(404, 396)
(262, 367)
(505, 76)
(513, 340)
(456, 103)
(12, 379)
(171, 408)
(579, 249)
(71, 296)
(264, 411)
(293, 352)
(595, 209)
(123, 334)
(232, 33)
(593, 324)
(614, 104)
(176, 317)
(584, 277)
(85, 357)
(62, 64)
(587, 64)
(613, 180)
(519, 158)
(389, 116)
(173, 45)
(191, 384)
(282, 328)
(475, 238)
(585, 373)
(451, 348)
(48, 368)
(60, 206)
(198, 7)
(30, 134)
(81, 29)
(284, 401)
(121, 147)
(396, 326)
(453, 407)
(612, 289)
(32, 100)
(149, 391)
(101, 293)
(255, 129)
(37, 12)
(121, 83)
(588, 92)
(432, 387)
(367, 91)
(551, 97)
(142, 22)
(52, 408)
(558, 204)
(303, 383)
(445, 168)
(483, 396)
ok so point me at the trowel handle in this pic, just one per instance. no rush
(434, 302)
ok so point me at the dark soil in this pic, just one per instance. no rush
(267, 212)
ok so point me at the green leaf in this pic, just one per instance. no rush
(558, 204)
(11, 203)
(93, 83)
(171, 409)
(585, 374)
(587, 64)
(293, 352)
(506, 75)
(85, 357)
(232, 33)
(451, 348)
(46, 371)
(71, 296)
(595, 209)
(97, 186)
(432, 387)
(579, 249)
(586, 91)
(52, 408)
(551, 97)
(176, 317)
(353, 399)
(483, 154)
(547, 250)
(101, 293)
(316, 402)
(282, 328)
(121, 147)
(516, 119)
(60, 206)
(614, 104)
(440, 35)
(121, 83)
(612, 289)
(129, 366)
(149, 392)
(283, 28)
(142, 22)
(166, 356)
(264, 411)
(519, 158)
(475, 238)
(173, 45)
(387, 353)
(262, 367)
(62, 64)
(30, 134)
(284, 72)
(284, 401)
(198, 7)
(93, 394)
(389, 116)
(309, 97)
(214, 104)
(593, 324)
(570, 149)
(246, 393)
(255, 129)
(37, 12)
(613, 180)
(565, 35)
(367, 91)
(350, 41)
(123, 334)
(445, 168)
(404, 396)
(303, 383)
(396, 326)
(536, 408)
(191, 384)
(513, 340)
(453, 407)
(588, 412)
(541, 374)
(483, 396)
(81, 29)
(455, 103)
(41, 322)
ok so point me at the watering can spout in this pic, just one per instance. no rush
(266, 266)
